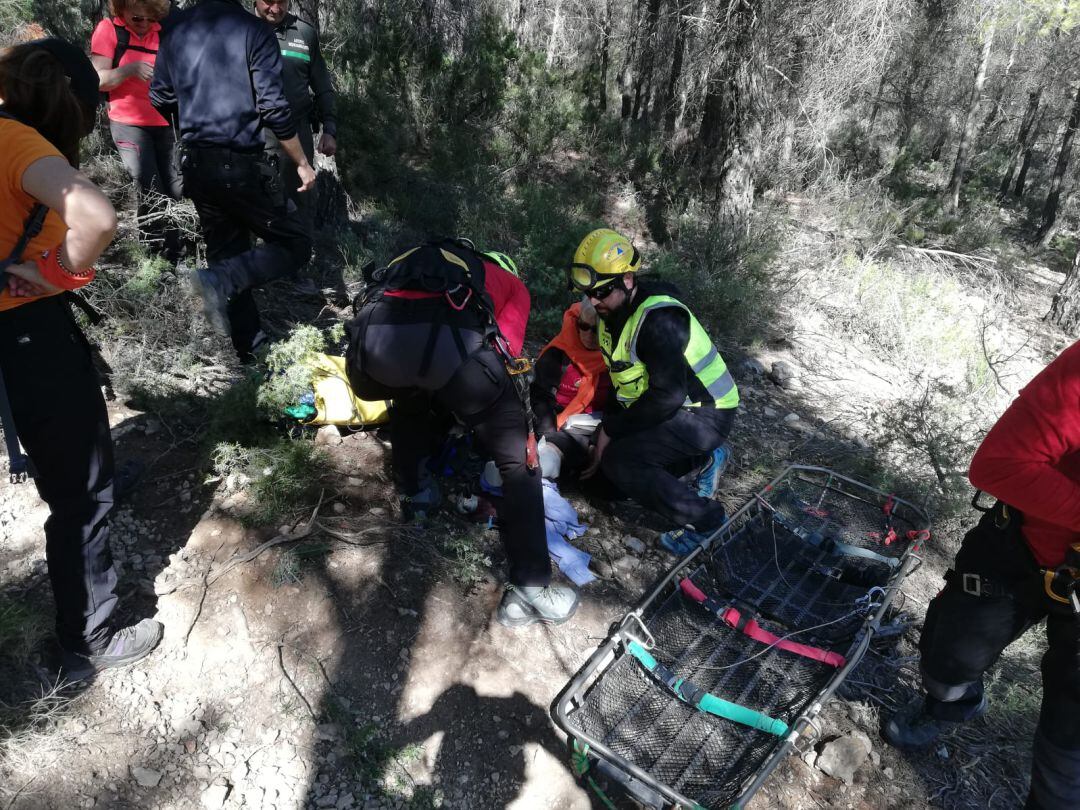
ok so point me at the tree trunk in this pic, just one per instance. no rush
(553, 39)
(648, 56)
(1029, 155)
(668, 105)
(1065, 309)
(1053, 199)
(730, 134)
(967, 131)
(1023, 134)
(626, 74)
(1004, 87)
(605, 56)
(876, 108)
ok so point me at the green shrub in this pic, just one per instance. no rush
(284, 477)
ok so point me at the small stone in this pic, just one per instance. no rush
(377, 511)
(495, 777)
(752, 367)
(353, 481)
(328, 435)
(189, 746)
(770, 413)
(783, 374)
(943, 752)
(339, 508)
(888, 773)
(634, 545)
(840, 758)
(791, 418)
(344, 802)
(145, 777)
(627, 562)
(215, 795)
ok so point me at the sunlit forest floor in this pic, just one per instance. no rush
(318, 653)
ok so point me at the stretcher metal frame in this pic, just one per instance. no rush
(633, 627)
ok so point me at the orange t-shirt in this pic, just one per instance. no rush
(22, 147)
(129, 101)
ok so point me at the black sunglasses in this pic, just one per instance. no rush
(136, 19)
(600, 293)
(586, 327)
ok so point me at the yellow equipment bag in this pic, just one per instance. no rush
(335, 402)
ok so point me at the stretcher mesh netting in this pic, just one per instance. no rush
(784, 560)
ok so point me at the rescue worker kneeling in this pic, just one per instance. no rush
(435, 331)
(676, 400)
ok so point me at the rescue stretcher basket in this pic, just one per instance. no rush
(700, 692)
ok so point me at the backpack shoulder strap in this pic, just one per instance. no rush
(123, 41)
(32, 228)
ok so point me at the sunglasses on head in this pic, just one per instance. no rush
(586, 327)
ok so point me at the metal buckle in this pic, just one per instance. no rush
(649, 641)
(977, 589)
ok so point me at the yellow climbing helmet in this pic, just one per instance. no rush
(603, 256)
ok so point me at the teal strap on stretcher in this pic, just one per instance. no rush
(700, 699)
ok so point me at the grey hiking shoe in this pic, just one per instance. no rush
(210, 289)
(521, 606)
(913, 728)
(126, 646)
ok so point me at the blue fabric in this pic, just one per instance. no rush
(219, 67)
(561, 523)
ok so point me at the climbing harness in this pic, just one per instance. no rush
(697, 697)
(747, 625)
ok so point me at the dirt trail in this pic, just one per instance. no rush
(362, 674)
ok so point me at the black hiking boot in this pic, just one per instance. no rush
(125, 647)
(912, 728)
(522, 606)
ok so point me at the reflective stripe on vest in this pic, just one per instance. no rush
(630, 377)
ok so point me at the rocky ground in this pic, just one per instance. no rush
(343, 660)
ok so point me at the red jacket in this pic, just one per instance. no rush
(1030, 459)
(511, 299)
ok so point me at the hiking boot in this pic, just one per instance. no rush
(125, 647)
(521, 606)
(708, 479)
(682, 541)
(209, 288)
(913, 728)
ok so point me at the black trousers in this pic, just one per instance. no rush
(61, 420)
(482, 396)
(290, 180)
(964, 635)
(646, 465)
(239, 197)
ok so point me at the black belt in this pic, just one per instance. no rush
(978, 585)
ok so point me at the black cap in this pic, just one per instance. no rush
(77, 66)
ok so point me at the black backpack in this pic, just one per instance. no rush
(418, 340)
